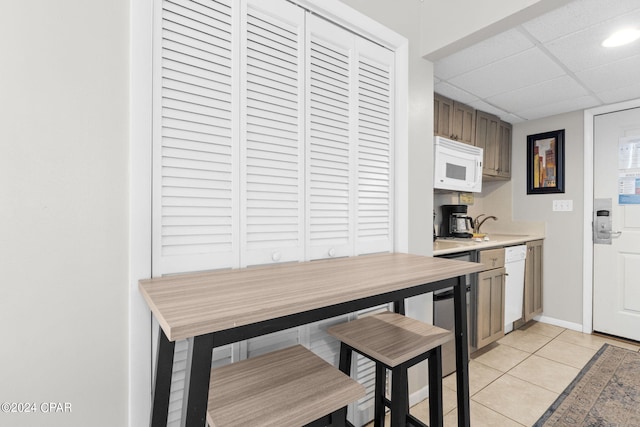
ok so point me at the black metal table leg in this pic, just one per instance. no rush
(399, 396)
(162, 387)
(436, 416)
(462, 350)
(399, 306)
(197, 381)
(345, 359)
(379, 394)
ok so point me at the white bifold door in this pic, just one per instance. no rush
(273, 142)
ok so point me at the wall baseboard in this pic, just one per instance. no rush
(418, 396)
(558, 322)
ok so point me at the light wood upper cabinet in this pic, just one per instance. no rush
(504, 150)
(464, 123)
(453, 119)
(460, 122)
(443, 116)
(494, 137)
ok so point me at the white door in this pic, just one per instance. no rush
(616, 266)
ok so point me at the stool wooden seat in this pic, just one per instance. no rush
(396, 342)
(290, 387)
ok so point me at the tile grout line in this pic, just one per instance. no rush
(503, 415)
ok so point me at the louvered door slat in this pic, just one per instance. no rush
(214, 19)
(197, 205)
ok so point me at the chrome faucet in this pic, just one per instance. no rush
(477, 223)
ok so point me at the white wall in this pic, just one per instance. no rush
(563, 254)
(519, 213)
(64, 209)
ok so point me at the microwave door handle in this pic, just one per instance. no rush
(479, 170)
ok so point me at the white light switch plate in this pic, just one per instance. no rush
(563, 205)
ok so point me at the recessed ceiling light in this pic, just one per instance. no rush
(622, 37)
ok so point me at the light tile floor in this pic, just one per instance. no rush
(515, 380)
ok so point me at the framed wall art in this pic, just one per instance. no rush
(545, 162)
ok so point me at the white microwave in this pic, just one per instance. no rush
(457, 166)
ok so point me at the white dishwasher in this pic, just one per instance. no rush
(514, 259)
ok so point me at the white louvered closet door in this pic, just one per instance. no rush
(375, 147)
(330, 147)
(330, 177)
(195, 156)
(272, 172)
(374, 169)
(272, 143)
(195, 165)
(272, 167)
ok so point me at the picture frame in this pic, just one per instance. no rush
(545, 162)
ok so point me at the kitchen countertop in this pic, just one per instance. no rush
(451, 246)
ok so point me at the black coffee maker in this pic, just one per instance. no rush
(456, 222)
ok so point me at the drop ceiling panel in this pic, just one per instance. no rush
(481, 54)
(559, 108)
(549, 65)
(620, 94)
(612, 76)
(524, 69)
(453, 92)
(548, 92)
(576, 16)
(583, 49)
(492, 109)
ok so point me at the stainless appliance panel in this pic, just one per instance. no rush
(443, 315)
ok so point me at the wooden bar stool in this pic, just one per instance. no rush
(396, 342)
(286, 388)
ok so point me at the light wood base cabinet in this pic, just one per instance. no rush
(489, 298)
(489, 307)
(533, 280)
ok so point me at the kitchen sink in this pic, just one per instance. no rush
(496, 236)
(451, 244)
(493, 239)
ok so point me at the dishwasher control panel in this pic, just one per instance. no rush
(515, 253)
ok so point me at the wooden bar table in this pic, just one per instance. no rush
(217, 308)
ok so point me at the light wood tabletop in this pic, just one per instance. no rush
(193, 304)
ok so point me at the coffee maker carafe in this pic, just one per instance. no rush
(456, 222)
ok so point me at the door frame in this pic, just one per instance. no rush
(587, 264)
